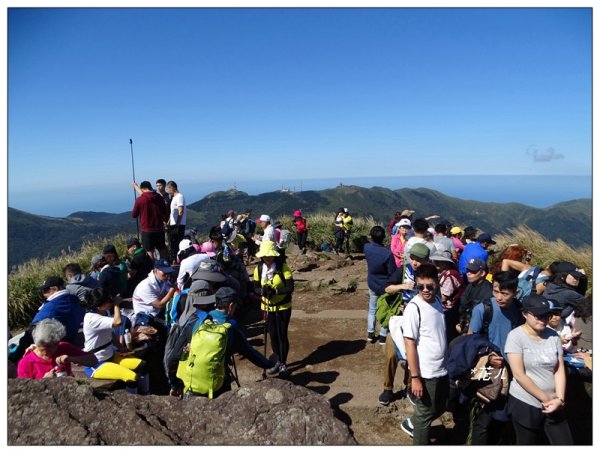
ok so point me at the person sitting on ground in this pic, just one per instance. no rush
(190, 262)
(51, 357)
(274, 280)
(478, 289)
(225, 302)
(140, 264)
(59, 305)
(96, 264)
(114, 272)
(152, 294)
(115, 361)
(78, 283)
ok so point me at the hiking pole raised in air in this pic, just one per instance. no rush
(137, 222)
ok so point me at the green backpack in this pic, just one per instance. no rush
(388, 305)
(202, 369)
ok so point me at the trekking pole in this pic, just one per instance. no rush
(137, 222)
(234, 371)
(264, 373)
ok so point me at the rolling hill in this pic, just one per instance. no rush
(32, 236)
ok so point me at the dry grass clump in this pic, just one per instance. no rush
(545, 251)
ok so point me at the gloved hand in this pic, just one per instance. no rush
(268, 291)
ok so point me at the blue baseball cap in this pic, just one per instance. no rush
(164, 266)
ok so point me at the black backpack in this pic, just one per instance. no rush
(488, 312)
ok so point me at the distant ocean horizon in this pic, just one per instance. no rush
(535, 191)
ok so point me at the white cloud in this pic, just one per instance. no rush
(546, 155)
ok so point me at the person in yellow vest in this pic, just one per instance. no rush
(273, 278)
(347, 224)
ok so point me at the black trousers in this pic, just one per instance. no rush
(277, 326)
(529, 423)
(176, 233)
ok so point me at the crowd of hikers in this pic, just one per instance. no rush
(493, 344)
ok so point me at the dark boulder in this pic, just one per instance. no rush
(65, 411)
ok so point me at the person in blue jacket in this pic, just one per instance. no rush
(477, 249)
(59, 305)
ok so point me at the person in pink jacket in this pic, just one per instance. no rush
(399, 240)
(50, 357)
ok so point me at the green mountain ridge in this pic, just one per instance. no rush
(32, 236)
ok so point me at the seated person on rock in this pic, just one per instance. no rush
(49, 356)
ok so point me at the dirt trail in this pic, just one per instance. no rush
(330, 355)
(329, 352)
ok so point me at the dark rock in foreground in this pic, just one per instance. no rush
(70, 412)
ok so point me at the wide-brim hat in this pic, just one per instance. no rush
(208, 271)
(200, 293)
(267, 248)
(440, 257)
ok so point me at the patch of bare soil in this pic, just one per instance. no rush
(329, 352)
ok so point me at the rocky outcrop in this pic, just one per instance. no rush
(66, 411)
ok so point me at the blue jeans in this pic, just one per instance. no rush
(371, 315)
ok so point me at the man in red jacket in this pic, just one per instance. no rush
(152, 210)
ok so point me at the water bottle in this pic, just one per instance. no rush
(60, 371)
(226, 254)
(127, 338)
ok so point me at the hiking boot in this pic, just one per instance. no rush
(275, 370)
(283, 371)
(382, 340)
(372, 337)
(386, 397)
(407, 427)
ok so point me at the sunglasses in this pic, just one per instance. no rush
(545, 317)
(428, 286)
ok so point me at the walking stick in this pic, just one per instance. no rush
(137, 222)
(264, 373)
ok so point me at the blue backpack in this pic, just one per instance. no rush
(530, 278)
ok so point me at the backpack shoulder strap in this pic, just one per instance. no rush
(418, 310)
(488, 312)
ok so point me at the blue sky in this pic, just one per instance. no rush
(216, 96)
